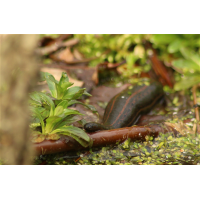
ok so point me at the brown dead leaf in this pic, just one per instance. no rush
(57, 44)
(70, 42)
(57, 74)
(68, 57)
(38, 138)
(46, 41)
(182, 128)
(163, 73)
(63, 55)
(78, 55)
(95, 77)
(52, 137)
(64, 37)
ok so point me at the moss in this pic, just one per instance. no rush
(165, 150)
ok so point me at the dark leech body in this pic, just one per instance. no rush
(126, 108)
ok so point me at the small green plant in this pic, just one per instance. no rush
(51, 116)
(185, 49)
(181, 50)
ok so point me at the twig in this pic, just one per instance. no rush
(102, 138)
(196, 127)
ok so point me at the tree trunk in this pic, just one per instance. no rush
(18, 74)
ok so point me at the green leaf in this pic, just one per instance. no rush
(87, 94)
(51, 123)
(64, 81)
(34, 103)
(43, 76)
(175, 46)
(92, 108)
(71, 112)
(46, 99)
(187, 82)
(78, 139)
(35, 112)
(58, 110)
(66, 85)
(66, 121)
(79, 94)
(60, 91)
(73, 93)
(163, 38)
(130, 59)
(77, 133)
(64, 78)
(49, 102)
(51, 77)
(190, 55)
(52, 87)
(71, 119)
(43, 112)
(187, 65)
(36, 97)
(63, 103)
(161, 144)
(35, 120)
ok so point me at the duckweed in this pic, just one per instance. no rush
(163, 150)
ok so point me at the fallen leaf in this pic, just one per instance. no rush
(57, 74)
(64, 55)
(182, 128)
(56, 45)
(52, 137)
(38, 139)
(78, 55)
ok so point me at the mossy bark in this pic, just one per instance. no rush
(18, 75)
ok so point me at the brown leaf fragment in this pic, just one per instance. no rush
(95, 77)
(70, 43)
(46, 41)
(63, 37)
(68, 57)
(180, 127)
(163, 73)
(38, 138)
(56, 45)
(57, 74)
(78, 55)
(53, 137)
(64, 55)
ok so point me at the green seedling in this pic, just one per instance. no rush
(51, 115)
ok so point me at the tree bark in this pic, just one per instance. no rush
(18, 75)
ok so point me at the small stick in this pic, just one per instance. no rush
(102, 138)
(197, 127)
